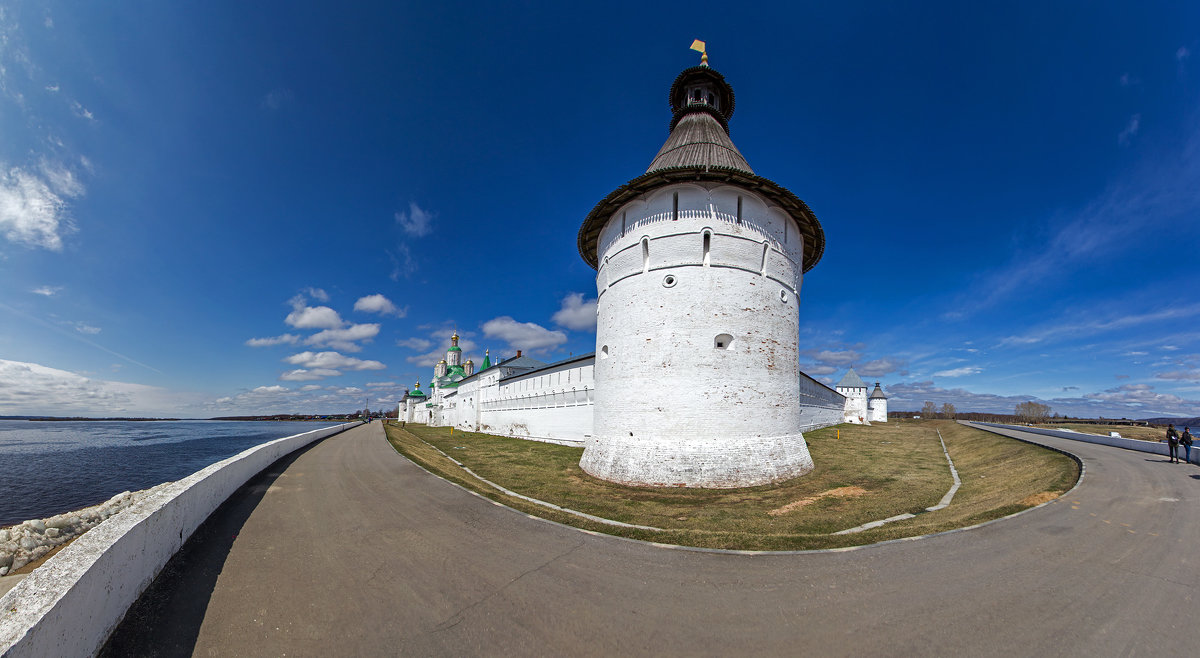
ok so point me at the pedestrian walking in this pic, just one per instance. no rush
(1186, 441)
(1173, 443)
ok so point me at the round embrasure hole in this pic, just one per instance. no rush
(669, 281)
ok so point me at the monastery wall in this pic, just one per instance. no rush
(820, 406)
(687, 391)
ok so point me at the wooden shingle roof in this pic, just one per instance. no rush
(699, 149)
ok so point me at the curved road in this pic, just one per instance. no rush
(351, 549)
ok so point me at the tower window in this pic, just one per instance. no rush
(604, 352)
(707, 246)
(675, 208)
(723, 341)
(739, 210)
(645, 254)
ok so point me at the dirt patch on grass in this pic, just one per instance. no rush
(1038, 499)
(840, 492)
(862, 474)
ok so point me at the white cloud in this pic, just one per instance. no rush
(314, 317)
(85, 328)
(881, 367)
(416, 222)
(332, 361)
(379, 304)
(46, 291)
(576, 313)
(834, 357)
(1131, 129)
(380, 384)
(525, 336)
(418, 344)
(305, 375)
(34, 389)
(318, 294)
(959, 372)
(285, 339)
(33, 208)
(344, 339)
(1183, 53)
(311, 387)
(81, 111)
(1186, 375)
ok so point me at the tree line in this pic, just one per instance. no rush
(1026, 412)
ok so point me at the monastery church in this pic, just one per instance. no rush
(695, 380)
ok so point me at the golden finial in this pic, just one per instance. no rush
(417, 386)
(454, 338)
(699, 47)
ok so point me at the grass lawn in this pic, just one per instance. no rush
(1126, 431)
(868, 474)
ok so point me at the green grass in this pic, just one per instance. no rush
(868, 474)
(1127, 431)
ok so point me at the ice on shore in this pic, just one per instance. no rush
(28, 541)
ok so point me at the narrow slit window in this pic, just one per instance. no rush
(766, 248)
(739, 210)
(707, 247)
(624, 217)
(645, 254)
(675, 208)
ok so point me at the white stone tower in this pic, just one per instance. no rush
(697, 350)
(877, 406)
(855, 389)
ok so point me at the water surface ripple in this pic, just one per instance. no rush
(48, 468)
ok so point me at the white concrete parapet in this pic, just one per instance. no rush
(69, 605)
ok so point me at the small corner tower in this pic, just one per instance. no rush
(877, 406)
(699, 263)
(855, 389)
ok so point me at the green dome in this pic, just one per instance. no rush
(454, 348)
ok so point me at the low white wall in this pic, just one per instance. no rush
(1128, 444)
(69, 605)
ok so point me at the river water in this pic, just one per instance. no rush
(51, 467)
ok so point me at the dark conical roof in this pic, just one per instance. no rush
(877, 394)
(698, 140)
(699, 149)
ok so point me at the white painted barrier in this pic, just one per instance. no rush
(1116, 442)
(69, 605)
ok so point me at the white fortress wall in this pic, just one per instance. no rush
(69, 605)
(697, 373)
(820, 406)
(553, 404)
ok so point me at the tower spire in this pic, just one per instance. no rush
(698, 45)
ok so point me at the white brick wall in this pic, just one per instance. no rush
(673, 408)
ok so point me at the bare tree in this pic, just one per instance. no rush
(929, 410)
(1033, 412)
(948, 410)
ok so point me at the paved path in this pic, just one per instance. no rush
(352, 550)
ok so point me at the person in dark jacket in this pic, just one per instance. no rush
(1186, 442)
(1173, 443)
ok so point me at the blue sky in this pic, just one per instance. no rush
(222, 208)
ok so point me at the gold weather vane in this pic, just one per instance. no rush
(699, 47)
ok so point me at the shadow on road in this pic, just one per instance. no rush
(166, 619)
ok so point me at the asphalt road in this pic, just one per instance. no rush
(349, 549)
